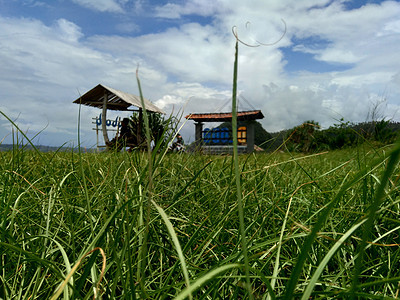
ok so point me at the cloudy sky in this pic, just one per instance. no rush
(337, 60)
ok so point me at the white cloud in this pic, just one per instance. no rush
(192, 7)
(192, 52)
(339, 56)
(392, 27)
(189, 67)
(289, 106)
(43, 70)
(101, 5)
(38, 4)
(68, 30)
(127, 27)
(169, 11)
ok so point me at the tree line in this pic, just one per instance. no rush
(309, 137)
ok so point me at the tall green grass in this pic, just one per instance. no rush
(307, 224)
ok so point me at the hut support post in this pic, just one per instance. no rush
(104, 121)
(139, 127)
(198, 134)
(250, 137)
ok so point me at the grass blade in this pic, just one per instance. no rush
(237, 174)
(380, 193)
(294, 277)
(202, 280)
(176, 243)
(328, 256)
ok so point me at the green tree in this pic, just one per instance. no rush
(383, 133)
(160, 127)
(303, 138)
(339, 135)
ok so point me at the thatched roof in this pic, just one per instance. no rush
(117, 100)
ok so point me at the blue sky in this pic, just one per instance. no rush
(337, 59)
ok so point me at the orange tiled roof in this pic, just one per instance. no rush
(225, 117)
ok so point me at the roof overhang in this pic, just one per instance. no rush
(116, 100)
(226, 117)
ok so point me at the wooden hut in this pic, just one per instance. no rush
(220, 143)
(106, 98)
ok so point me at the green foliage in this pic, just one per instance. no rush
(160, 126)
(339, 136)
(382, 132)
(303, 138)
(307, 137)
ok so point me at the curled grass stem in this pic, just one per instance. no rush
(76, 266)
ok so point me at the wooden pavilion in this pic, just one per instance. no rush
(107, 98)
(218, 143)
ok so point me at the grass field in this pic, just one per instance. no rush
(322, 226)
